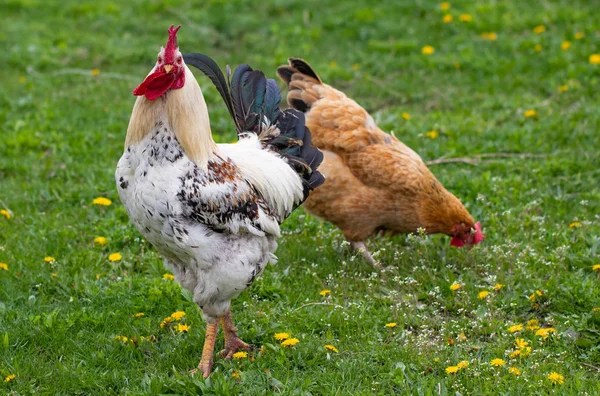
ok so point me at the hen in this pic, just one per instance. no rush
(213, 210)
(375, 183)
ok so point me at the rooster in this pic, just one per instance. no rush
(375, 183)
(213, 211)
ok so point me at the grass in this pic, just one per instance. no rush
(67, 72)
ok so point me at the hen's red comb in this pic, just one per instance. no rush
(171, 44)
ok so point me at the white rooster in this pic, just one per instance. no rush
(213, 210)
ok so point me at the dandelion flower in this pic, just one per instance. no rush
(575, 224)
(514, 371)
(331, 348)
(498, 362)
(465, 18)
(525, 351)
(565, 45)
(5, 213)
(538, 48)
(498, 286)
(556, 378)
(530, 113)
(165, 322)
(168, 277)
(432, 134)
(428, 50)
(4, 266)
(183, 327)
(95, 72)
(455, 286)
(100, 241)
(515, 328)
(448, 18)
(579, 35)
(123, 339)
(49, 259)
(539, 29)
(54, 275)
(545, 332)
(282, 336)
(445, 6)
(521, 343)
(177, 315)
(115, 257)
(290, 342)
(563, 88)
(240, 355)
(235, 374)
(406, 116)
(391, 325)
(483, 294)
(102, 201)
(10, 377)
(138, 315)
(452, 369)
(462, 337)
(596, 310)
(462, 364)
(489, 36)
(595, 59)
(325, 292)
(596, 267)
(515, 354)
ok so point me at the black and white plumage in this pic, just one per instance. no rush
(213, 211)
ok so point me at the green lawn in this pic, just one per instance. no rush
(67, 72)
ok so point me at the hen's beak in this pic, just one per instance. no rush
(168, 68)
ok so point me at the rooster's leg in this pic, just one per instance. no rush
(232, 341)
(362, 248)
(206, 362)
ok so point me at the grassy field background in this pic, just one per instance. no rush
(68, 69)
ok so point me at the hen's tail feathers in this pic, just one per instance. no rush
(300, 79)
(253, 103)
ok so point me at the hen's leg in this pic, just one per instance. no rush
(206, 362)
(362, 248)
(232, 341)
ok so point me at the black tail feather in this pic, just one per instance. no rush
(253, 102)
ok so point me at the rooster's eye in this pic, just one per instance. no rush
(159, 59)
(179, 60)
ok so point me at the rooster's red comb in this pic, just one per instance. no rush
(172, 43)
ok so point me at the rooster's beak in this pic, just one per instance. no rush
(168, 68)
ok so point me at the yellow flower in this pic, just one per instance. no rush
(514, 371)
(331, 348)
(563, 88)
(465, 18)
(539, 29)
(168, 277)
(456, 65)
(177, 315)
(54, 275)
(325, 292)
(166, 321)
(22, 79)
(452, 369)
(4, 266)
(538, 48)
(595, 59)
(183, 327)
(483, 294)
(282, 336)
(530, 113)
(445, 6)
(448, 18)
(533, 325)
(565, 45)
(539, 292)
(235, 374)
(525, 351)
(455, 286)
(498, 286)
(498, 362)
(138, 315)
(596, 267)
(596, 310)
(515, 328)
(391, 325)
(556, 378)
(95, 72)
(102, 201)
(521, 343)
(462, 364)
(489, 36)
(545, 332)
(428, 50)
(100, 241)
(123, 339)
(432, 134)
(49, 259)
(532, 297)
(575, 224)
(515, 354)
(240, 355)
(406, 116)
(5, 213)
(290, 342)
(114, 257)
(462, 337)
(10, 377)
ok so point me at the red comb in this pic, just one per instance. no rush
(171, 44)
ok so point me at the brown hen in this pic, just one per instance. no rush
(374, 182)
